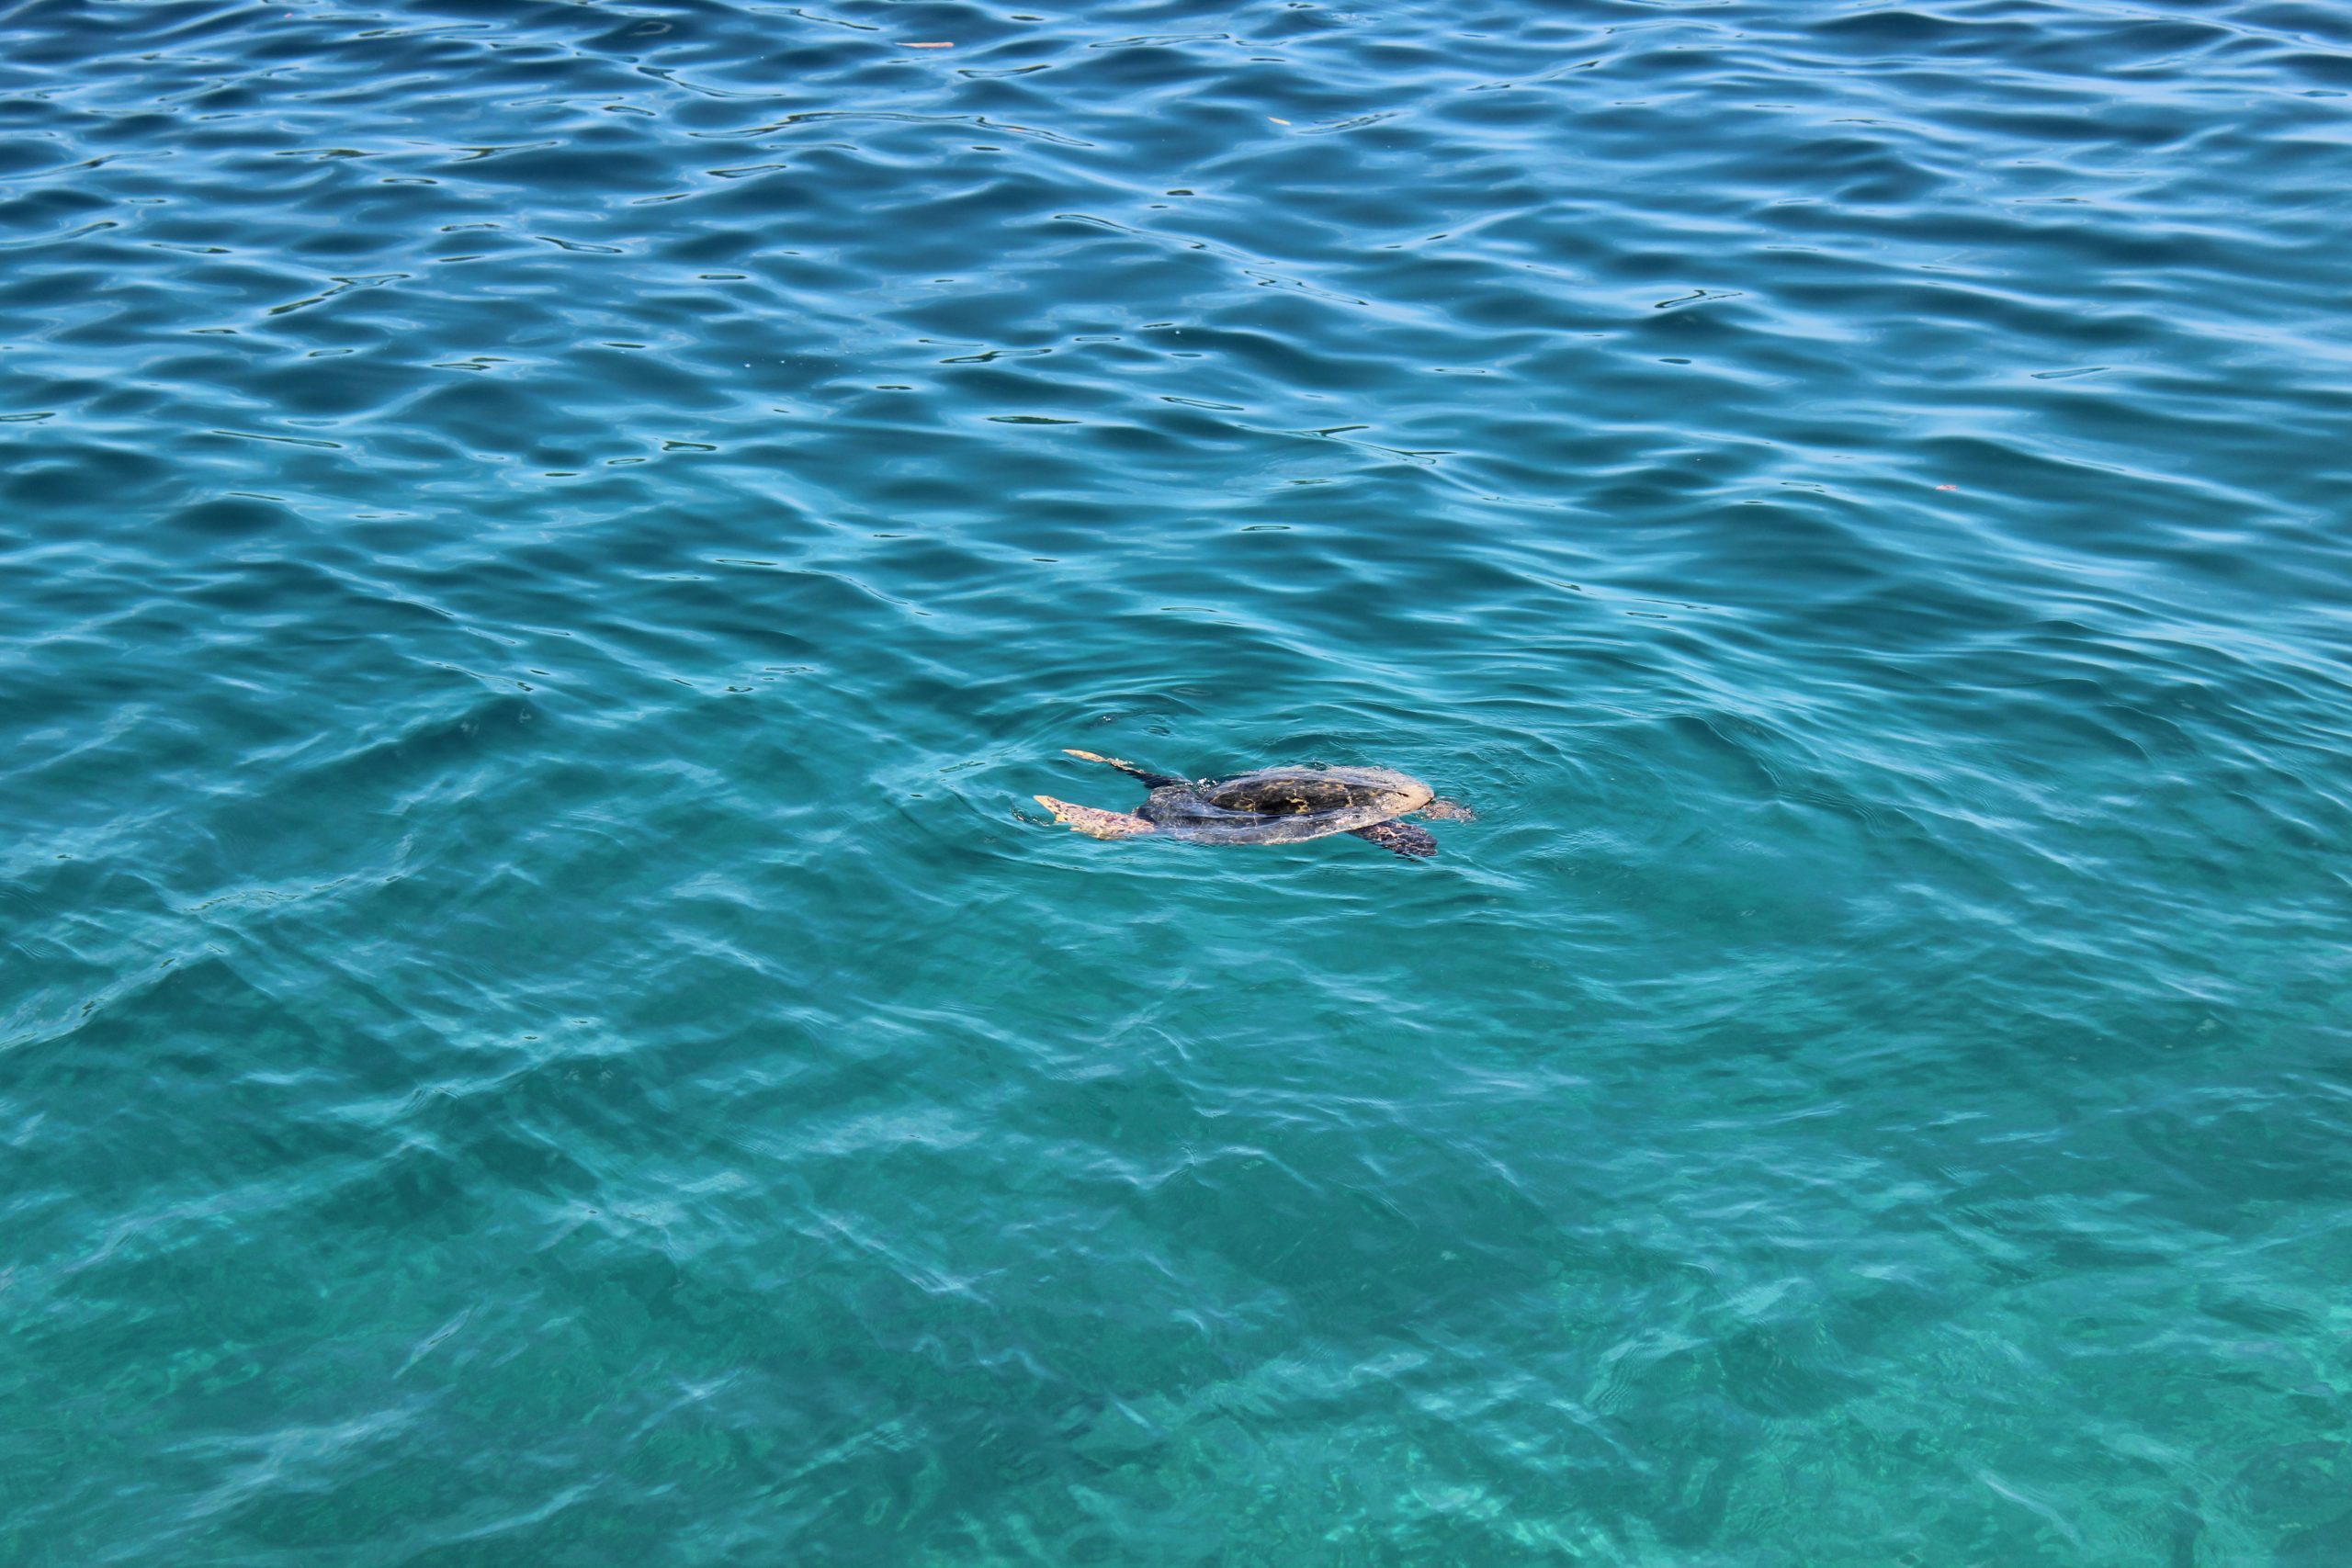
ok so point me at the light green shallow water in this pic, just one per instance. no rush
(548, 547)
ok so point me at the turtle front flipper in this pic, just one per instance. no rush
(1409, 840)
(1094, 822)
(1150, 779)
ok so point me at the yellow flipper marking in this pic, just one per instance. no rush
(1094, 823)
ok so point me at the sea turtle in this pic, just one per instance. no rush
(1276, 806)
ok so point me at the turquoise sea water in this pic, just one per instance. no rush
(546, 549)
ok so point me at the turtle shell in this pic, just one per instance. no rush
(1283, 805)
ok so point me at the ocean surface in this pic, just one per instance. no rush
(546, 549)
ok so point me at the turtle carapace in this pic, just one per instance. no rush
(1273, 806)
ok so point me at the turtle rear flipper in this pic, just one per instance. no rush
(1406, 839)
(1094, 822)
(1150, 779)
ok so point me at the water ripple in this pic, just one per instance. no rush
(549, 549)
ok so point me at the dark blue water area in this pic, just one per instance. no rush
(546, 551)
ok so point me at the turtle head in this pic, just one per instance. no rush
(1394, 792)
(1412, 795)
